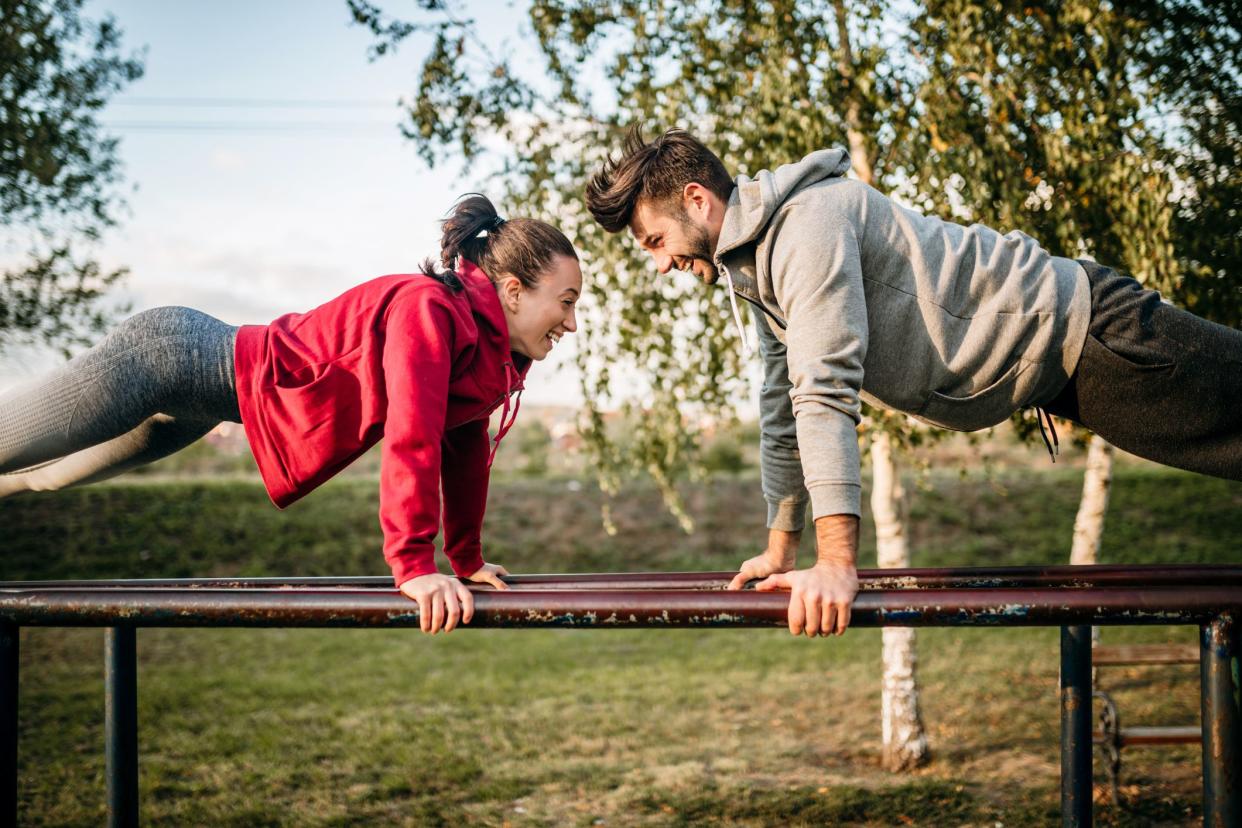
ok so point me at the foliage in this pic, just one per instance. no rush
(1037, 116)
(59, 172)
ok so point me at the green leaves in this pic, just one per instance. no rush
(59, 173)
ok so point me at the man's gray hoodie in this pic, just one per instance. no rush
(859, 296)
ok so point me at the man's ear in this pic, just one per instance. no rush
(509, 288)
(697, 200)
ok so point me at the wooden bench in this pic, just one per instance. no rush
(1112, 737)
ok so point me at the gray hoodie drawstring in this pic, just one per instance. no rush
(1040, 416)
(737, 314)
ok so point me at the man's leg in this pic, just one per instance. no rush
(1157, 381)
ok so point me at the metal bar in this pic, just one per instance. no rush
(1083, 577)
(121, 724)
(9, 666)
(1222, 722)
(1076, 778)
(616, 609)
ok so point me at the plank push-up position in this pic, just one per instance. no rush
(858, 297)
(420, 360)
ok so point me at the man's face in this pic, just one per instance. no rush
(677, 239)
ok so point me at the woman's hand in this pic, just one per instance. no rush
(489, 574)
(442, 601)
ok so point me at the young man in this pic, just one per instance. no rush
(856, 296)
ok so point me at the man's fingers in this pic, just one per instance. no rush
(773, 582)
(831, 623)
(843, 619)
(739, 580)
(810, 606)
(797, 614)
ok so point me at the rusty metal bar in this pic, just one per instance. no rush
(9, 665)
(616, 609)
(1076, 771)
(1221, 700)
(121, 725)
(1079, 577)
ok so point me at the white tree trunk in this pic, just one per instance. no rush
(905, 741)
(1089, 525)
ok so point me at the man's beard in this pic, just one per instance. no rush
(700, 248)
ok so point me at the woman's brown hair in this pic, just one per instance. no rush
(521, 247)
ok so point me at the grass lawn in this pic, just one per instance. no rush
(676, 727)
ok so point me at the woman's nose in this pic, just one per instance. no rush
(571, 321)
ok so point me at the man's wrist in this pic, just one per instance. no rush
(783, 547)
(836, 540)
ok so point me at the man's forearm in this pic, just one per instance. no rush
(836, 540)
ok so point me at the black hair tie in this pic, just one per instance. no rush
(495, 224)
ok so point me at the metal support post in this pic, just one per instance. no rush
(8, 721)
(1076, 777)
(121, 725)
(1222, 722)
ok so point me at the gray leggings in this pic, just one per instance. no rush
(157, 383)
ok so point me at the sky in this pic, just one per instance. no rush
(269, 174)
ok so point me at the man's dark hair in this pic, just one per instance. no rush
(657, 172)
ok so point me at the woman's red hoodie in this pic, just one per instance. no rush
(403, 358)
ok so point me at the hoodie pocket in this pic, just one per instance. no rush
(982, 409)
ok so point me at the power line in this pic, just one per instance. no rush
(253, 103)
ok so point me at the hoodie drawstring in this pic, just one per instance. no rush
(737, 314)
(506, 421)
(1040, 416)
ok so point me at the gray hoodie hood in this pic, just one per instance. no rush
(753, 202)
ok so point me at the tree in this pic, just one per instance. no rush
(59, 172)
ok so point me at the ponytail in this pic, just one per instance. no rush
(475, 231)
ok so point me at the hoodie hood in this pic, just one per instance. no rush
(488, 315)
(754, 200)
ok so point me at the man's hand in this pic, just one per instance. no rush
(442, 601)
(819, 599)
(780, 556)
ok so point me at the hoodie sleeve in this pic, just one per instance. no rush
(417, 365)
(464, 476)
(780, 466)
(816, 275)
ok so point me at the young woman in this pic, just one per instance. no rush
(420, 360)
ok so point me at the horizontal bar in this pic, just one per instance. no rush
(1081, 577)
(603, 608)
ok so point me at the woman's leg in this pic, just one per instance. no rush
(158, 436)
(162, 379)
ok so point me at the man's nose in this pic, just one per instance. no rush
(664, 262)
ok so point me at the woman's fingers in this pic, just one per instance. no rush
(452, 610)
(467, 603)
(437, 611)
(424, 613)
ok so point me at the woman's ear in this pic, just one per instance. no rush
(509, 288)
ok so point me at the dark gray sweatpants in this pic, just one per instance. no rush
(1157, 381)
(157, 383)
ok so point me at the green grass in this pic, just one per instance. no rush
(678, 727)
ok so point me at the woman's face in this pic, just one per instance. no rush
(538, 317)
